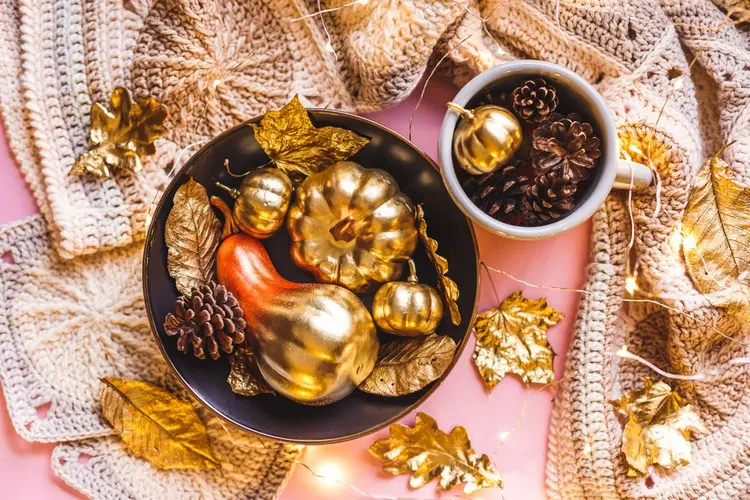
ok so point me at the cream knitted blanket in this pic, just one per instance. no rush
(217, 62)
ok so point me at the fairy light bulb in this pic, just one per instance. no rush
(631, 285)
(329, 47)
(216, 83)
(503, 435)
(689, 242)
(330, 473)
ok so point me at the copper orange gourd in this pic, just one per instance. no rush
(315, 342)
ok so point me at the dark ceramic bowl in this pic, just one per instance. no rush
(274, 416)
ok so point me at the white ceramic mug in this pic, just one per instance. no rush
(611, 172)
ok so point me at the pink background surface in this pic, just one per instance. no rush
(461, 400)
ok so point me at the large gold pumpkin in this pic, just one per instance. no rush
(351, 226)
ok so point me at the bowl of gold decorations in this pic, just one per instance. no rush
(307, 276)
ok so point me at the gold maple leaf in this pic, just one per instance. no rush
(512, 338)
(658, 428)
(296, 146)
(448, 288)
(716, 225)
(426, 452)
(155, 425)
(122, 134)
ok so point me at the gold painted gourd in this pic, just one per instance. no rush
(486, 138)
(351, 226)
(315, 343)
(407, 308)
(261, 202)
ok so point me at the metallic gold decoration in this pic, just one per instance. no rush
(486, 138)
(261, 201)
(426, 452)
(716, 233)
(447, 286)
(245, 378)
(120, 135)
(192, 233)
(156, 426)
(407, 308)
(296, 146)
(351, 226)
(658, 428)
(512, 338)
(314, 343)
(408, 365)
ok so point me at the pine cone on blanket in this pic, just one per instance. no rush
(546, 200)
(498, 193)
(534, 100)
(565, 146)
(211, 318)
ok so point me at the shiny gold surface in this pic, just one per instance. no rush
(351, 226)
(407, 308)
(486, 138)
(261, 202)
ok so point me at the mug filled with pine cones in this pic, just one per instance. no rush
(529, 149)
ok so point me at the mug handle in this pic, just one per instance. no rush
(628, 171)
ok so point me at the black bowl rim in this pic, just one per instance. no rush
(317, 112)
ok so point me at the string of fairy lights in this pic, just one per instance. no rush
(331, 473)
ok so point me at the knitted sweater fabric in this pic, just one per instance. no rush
(675, 73)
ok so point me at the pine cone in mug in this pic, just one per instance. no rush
(211, 319)
(566, 147)
(534, 100)
(547, 199)
(498, 193)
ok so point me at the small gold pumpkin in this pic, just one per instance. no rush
(407, 308)
(486, 138)
(261, 202)
(351, 226)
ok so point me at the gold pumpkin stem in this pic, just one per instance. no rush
(230, 227)
(234, 193)
(465, 113)
(343, 230)
(412, 272)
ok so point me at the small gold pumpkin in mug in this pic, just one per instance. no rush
(486, 138)
(407, 308)
(261, 202)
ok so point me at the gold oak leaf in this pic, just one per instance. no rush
(296, 146)
(192, 234)
(121, 135)
(408, 365)
(245, 378)
(717, 222)
(156, 426)
(448, 287)
(426, 452)
(512, 338)
(658, 428)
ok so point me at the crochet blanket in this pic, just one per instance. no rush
(676, 74)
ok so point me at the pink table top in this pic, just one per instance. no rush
(461, 400)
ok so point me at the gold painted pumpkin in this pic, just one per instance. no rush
(351, 226)
(407, 308)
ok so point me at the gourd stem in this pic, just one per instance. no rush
(234, 193)
(343, 230)
(465, 113)
(412, 272)
(230, 227)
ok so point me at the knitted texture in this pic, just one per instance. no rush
(65, 324)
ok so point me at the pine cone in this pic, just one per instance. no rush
(566, 146)
(210, 319)
(535, 100)
(498, 193)
(548, 199)
(493, 97)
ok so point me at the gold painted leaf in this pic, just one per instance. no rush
(192, 234)
(426, 452)
(245, 378)
(448, 288)
(156, 426)
(122, 134)
(408, 365)
(512, 338)
(658, 428)
(296, 146)
(717, 225)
